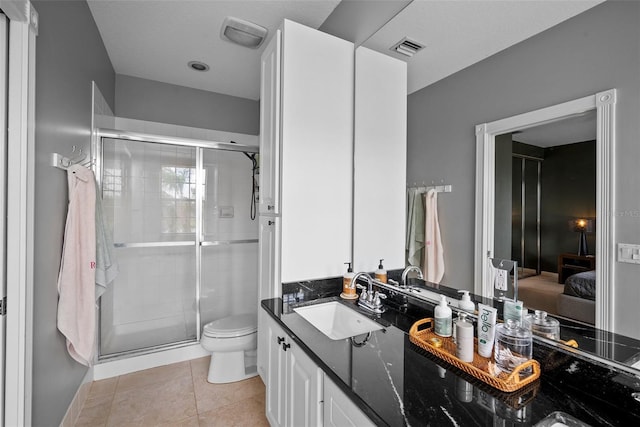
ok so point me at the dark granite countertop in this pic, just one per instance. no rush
(396, 383)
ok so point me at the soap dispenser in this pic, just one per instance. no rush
(348, 287)
(381, 273)
(442, 315)
(465, 302)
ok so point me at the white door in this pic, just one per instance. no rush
(270, 127)
(276, 372)
(4, 38)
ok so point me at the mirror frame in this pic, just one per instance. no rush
(604, 103)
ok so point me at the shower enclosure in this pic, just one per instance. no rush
(184, 240)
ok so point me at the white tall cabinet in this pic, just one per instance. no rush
(306, 155)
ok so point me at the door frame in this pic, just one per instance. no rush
(23, 29)
(604, 103)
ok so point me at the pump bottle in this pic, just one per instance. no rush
(443, 314)
(348, 288)
(381, 273)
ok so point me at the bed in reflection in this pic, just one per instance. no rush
(578, 300)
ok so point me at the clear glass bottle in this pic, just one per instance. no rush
(513, 346)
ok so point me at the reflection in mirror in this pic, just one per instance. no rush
(545, 208)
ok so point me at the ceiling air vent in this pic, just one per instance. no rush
(407, 47)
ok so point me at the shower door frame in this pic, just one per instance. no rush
(523, 158)
(200, 145)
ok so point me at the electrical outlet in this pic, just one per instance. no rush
(629, 253)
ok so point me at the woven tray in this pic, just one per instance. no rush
(479, 368)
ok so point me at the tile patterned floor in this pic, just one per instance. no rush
(174, 395)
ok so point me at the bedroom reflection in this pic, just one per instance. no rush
(545, 205)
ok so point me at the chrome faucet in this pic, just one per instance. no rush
(405, 273)
(369, 299)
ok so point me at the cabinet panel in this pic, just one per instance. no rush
(276, 372)
(380, 150)
(269, 284)
(339, 411)
(317, 144)
(270, 127)
(305, 390)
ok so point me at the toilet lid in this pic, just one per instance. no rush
(232, 326)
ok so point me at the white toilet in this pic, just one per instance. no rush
(232, 342)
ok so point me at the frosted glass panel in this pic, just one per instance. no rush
(228, 193)
(149, 200)
(229, 281)
(151, 302)
(149, 191)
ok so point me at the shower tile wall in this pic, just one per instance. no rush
(149, 196)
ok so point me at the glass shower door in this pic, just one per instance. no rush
(229, 280)
(149, 198)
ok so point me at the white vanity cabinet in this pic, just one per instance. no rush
(306, 149)
(380, 159)
(339, 411)
(293, 381)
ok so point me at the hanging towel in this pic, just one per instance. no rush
(433, 250)
(415, 226)
(106, 265)
(76, 281)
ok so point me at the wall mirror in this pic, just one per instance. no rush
(490, 217)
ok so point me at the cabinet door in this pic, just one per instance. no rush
(270, 127)
(269, 258)
(276, 372)
(339, 411)
(317, 145)
(380, 158)
(304, 390)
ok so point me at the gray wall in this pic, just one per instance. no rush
(178, 105)
(595, 51)
(69, 55)
(568, 181)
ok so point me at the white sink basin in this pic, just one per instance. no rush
(337, 321)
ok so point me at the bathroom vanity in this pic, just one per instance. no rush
(382, 378)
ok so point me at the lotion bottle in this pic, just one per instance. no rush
(465, 302)
(464, 338)
(381, 273)
(442, 315)
(348, 288)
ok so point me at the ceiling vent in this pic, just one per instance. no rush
(241, 32)
(407, 47)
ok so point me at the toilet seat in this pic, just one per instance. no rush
(231, 327)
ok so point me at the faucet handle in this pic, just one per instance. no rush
(377, 296)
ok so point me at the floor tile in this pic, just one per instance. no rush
(211, 396)
(153, 376)
(95, 411)
(164, 402)
(102, 387)
(249, 412)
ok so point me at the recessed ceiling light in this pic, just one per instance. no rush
(242, 32)
(198, 66)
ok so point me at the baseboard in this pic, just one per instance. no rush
(73, 411)
(114, 368)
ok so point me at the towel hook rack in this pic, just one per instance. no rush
(63, 162)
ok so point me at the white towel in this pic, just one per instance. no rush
(433, 250)
(415, 226)
(106, 265)
(76, 281)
